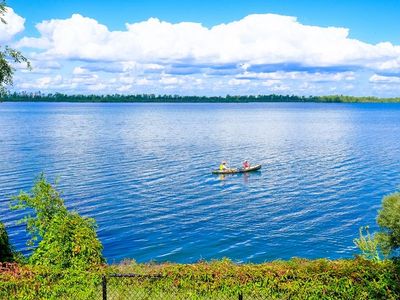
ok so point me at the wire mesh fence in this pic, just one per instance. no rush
(315, 280)
(26, 283)
(146, 287)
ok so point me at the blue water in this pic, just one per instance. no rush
(143, 172)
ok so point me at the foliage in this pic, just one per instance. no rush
(389, 222)
(34, 283)
(2, 12)
(6, 253)
(369, 245)
(7, 57)
(293, 279)
(63, 239)
(70, 241)
(45, 203)
(146, 98)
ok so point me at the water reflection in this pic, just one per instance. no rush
(244, 176)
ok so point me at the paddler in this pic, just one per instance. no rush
(246, 164)
(223, 166)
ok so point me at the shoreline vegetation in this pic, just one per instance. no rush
(220, 279)
(67, 263)
(152, 98)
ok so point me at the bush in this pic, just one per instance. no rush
(368, 244)
(389, 222)
(70, 241)
(6, 253)
(36, 283)
(61, 238)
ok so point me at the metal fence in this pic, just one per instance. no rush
(26, 283)
(150, 287)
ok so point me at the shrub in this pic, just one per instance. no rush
(389, 222)
(62, 239)
(70, 241)
(368, 244)
(38, 282)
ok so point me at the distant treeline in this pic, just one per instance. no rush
(143, 98)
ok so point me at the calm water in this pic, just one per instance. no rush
(143, 172)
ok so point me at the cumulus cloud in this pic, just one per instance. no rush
(264, 39)
(43, 82)
(260, 53)
(379, 79)
(295, 75)
(15, 25)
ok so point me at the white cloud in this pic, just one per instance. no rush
(384, 79)
(143, 81)
(43, 83)
(170, 80)
(125, 88)
(235, 81)
(79, 71)
(255, 39)
(86, 79)
(304, 76)
(97, 87)
(15, 25)
(258, 54)
(271, 83)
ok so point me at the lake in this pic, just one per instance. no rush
(143, 172)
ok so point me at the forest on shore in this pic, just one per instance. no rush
(152, 98)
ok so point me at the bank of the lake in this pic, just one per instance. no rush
(293, 279)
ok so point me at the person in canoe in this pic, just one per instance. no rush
(223, 166)
(246, 164)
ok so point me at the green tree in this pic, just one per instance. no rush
(60, 238)
(2, 12)
(8, 57)
(6, 253)
(389, 222)
(70, 241)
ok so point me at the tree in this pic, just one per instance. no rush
(2, 12)
(389, 222)
(6, 253)
(8, 56)
(60, 238)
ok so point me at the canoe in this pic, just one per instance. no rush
(237, 170)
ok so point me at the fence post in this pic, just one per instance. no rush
(240, 296)
(104, 285)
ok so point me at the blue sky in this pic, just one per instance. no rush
(369, 20)
(358, 55)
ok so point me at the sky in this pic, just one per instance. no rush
(300, 47)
